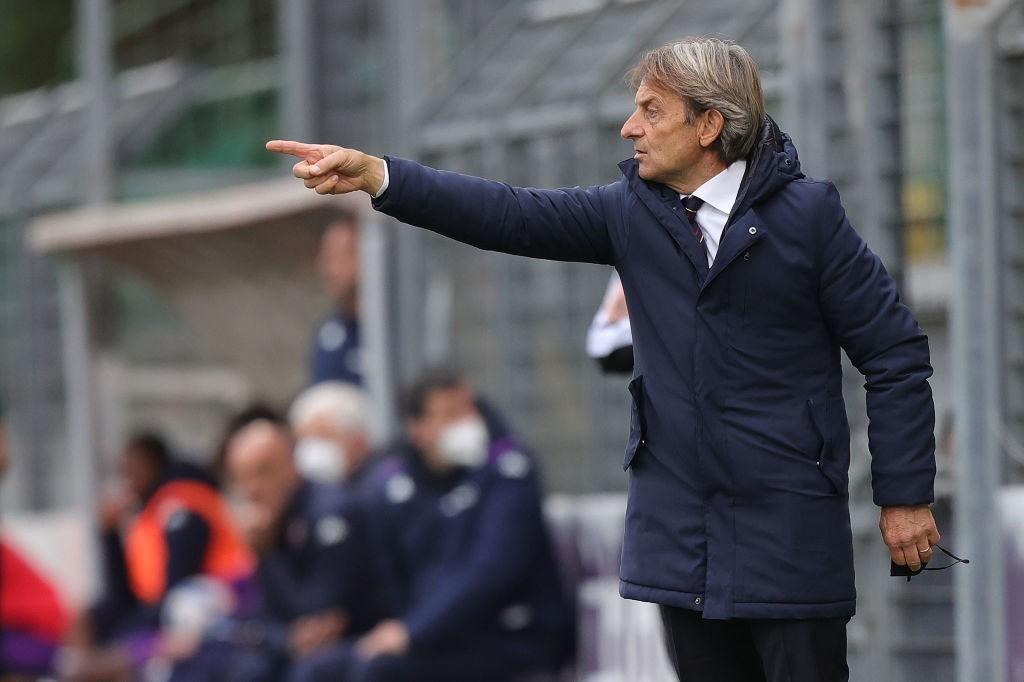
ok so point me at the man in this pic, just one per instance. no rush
(335, 354)
(464, 553)
(312, 571)
(329, 421)
(744, 281)
(182, 528)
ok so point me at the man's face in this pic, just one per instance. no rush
(353, 443)
(666, 146)
(140, 471)
(261, 469)
(338, 262)
(442, 408)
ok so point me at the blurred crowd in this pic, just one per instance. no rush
(300, 549)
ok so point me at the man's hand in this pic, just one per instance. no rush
(388, 637)
(329, 169)
(909, 532)
(317, 630)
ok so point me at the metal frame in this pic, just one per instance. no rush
(975, 321)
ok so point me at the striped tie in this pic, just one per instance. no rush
(692, 204)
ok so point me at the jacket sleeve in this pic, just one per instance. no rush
(564, 224)
(862, 308)
(510, 532)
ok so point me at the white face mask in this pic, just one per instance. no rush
(464, 443)
(321, 460)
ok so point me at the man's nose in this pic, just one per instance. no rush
(630, 129)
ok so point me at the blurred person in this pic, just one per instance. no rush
(464, 551)
(165, 524)
(330, 424)
(33, 617)
(745, 282)
(609, 338)
(312, 572)
(252, 412)
(336, 346)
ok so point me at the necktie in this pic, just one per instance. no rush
(692, 204)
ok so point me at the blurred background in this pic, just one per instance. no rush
(158, 269)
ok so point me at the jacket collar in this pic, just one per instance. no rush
(771, 165)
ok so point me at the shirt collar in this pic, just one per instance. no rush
(721, 190)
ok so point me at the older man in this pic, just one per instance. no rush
(744, 281)
(329, 420)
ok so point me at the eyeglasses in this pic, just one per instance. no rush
(898, 571)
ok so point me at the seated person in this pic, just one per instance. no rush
(332, 434)
(463, 547)
(169, 524)
(313, 573)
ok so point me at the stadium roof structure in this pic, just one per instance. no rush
(236, 264)
(42, 132)
(552, 65)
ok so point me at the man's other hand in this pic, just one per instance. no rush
(389, 637)
(909, 532)
(330, 169)
(315, 631)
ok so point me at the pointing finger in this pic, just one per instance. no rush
(300, 149)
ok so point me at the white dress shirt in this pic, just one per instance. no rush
(719, 195)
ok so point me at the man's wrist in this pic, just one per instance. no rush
(377, 179)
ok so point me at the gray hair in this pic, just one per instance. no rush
(709, 73)
(343, 403)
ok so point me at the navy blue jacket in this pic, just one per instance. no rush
(335, 355)
(468, 554)
(321, 560)
(739, 445)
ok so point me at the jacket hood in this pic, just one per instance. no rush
(771, 165)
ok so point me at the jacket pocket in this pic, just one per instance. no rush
(636, 421)
(825, 415)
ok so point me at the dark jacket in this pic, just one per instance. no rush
(321, 561)
(468, 557)
(739, 445)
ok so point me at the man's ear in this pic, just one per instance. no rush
(709, 127)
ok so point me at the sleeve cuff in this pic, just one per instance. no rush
(387, 181)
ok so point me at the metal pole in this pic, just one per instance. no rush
(95, 70)
(804, 109)
(298, 37)
(375, 292)
(980, 587)
(407, 23)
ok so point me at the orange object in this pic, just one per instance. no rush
(28, 602)
(227, 556)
